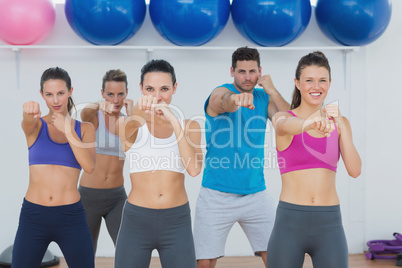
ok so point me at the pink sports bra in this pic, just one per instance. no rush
(305, 152)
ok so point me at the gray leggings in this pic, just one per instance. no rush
(316, 230)
(103, 203)
(166, 230)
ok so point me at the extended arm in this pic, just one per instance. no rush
(286, 124)
(89, 113)
(223, 100)
(31, 116)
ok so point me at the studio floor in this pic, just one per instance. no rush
(355, 261)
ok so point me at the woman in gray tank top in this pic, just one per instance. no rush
(102, 192)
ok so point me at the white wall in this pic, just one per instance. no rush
(383, 185)
(369, 203)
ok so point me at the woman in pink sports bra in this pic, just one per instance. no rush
(309, 141)
(160, 148)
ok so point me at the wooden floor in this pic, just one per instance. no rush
(355, 261)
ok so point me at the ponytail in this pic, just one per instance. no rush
(70, 105)
(296, 99)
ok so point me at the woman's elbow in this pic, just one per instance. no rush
(355, 172)
(194, 168)
(89, 167)
(89, 170)
(194, 172)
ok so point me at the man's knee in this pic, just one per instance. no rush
(262, 254)
(207, 263)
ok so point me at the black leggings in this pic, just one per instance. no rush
(316, 230)
(167, 230)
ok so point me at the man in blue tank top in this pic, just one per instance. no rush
(233, 186)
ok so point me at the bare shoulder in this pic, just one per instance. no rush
(219, 89)
(214, 106)
(87, 127)
(90, 117)
(345, 120)
(345, 125)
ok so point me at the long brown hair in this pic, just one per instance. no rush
(316, 58)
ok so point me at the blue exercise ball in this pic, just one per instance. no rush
(271, 23)
(353, 22)
(190, 22)
(105, 22)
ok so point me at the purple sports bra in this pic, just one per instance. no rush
(305, 152)
(45, 151)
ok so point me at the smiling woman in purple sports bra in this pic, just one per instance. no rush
(58, 147)
(309, 142)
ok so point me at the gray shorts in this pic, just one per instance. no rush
(216, 213)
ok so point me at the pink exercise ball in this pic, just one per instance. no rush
(25, 22)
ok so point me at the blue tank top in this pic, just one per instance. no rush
(45, 151)
(234, 162)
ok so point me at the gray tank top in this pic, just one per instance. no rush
(106, 142)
